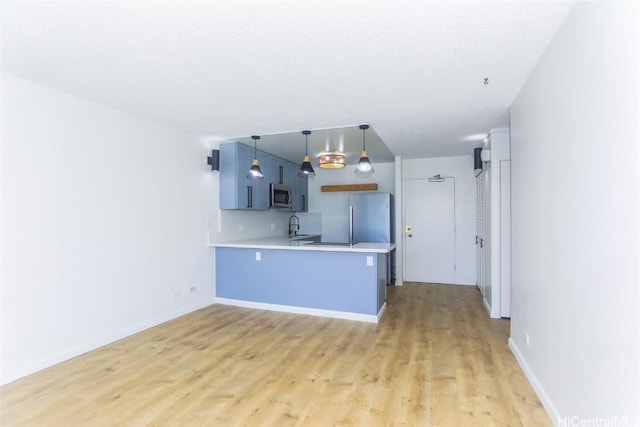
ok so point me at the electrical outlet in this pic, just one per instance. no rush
(369, 261)
(240, 228)
(273, 225)
(258, 256)
(527, 340)
(192, 289)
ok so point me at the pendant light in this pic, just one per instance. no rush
(333, 160)
(306, 168)
(255, 171)
(364, 166)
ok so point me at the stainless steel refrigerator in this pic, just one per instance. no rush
(371, 220)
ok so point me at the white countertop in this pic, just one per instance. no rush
(303, 245)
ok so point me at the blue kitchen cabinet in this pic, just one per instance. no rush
(299, 187)
(285, 172)
(276, 170)
(300, 193)
(237, 191)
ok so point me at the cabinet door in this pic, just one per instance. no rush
(261, 186)
(245, 187)
(237, 191)
(276, 170)
(300, 194)
(228, 176)
(291, 179)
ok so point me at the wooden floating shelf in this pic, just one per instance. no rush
(349, 187)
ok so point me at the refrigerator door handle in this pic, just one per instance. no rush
(350, 224)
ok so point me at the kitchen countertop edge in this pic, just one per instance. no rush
(303, 245)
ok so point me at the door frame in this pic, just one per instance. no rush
(404, 222)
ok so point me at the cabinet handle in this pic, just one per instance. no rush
(304, 202)
(482, 243)
(249, 196)
(280, 174)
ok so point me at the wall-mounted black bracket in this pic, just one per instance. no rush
(214, 160)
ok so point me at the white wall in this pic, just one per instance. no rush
(334, 205)
(575, 215)
(103, 225)
(460, 167)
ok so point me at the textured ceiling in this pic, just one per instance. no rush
(225, 69)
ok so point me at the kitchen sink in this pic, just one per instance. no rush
(302, 236)
(330, 244)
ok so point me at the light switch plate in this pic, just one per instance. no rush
(258, 256)
(369, 261)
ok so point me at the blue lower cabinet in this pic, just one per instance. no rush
(350, 282)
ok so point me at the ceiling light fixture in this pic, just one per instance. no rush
(255, 171)
(333, 160)
(305, 167)
(364, 166)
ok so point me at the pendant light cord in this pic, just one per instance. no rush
(255, 145)
(364, 141)
(364, 128)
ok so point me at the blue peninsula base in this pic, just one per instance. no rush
(345, 285)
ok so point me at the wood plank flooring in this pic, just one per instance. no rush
(435, 359)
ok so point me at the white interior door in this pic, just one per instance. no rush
(429, 230)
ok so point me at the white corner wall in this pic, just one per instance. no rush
(497, 244)
(575, 219)
(104, 224)
(460, 167)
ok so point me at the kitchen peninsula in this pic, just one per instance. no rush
(303, 276)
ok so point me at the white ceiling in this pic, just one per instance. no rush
(227, 69)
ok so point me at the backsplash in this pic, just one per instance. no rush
(239, 224)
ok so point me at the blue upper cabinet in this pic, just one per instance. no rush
(288, 175)
(300, 193)
(237, 191)
(277, 167)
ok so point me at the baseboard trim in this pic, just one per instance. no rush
(369, 318)
(382, 310)
(486, 305)
(546, 401)
(75, 351)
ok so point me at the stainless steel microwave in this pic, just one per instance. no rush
(280, 196)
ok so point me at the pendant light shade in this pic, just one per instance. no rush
(305, 167)
(255, 171)
(364, 166)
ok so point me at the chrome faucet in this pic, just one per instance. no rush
(293, 224)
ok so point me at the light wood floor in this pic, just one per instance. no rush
(435, 359)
